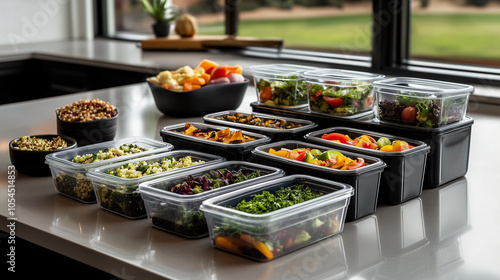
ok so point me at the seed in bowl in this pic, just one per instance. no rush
(28, 143)
(86, 110)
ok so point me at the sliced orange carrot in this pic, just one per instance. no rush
(263, 249)
(197, 81)
(225, 243)
(208, 65)
(164, 86)
(247, 238)
(193, 87)
(188, 86)
(206, 77)
(234, 69)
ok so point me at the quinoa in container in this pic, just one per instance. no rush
(69, 168)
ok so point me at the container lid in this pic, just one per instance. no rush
(306, 124)
(342, 192)
(100, 174)
(422, 87)
(315, 136)
(340, 76)
(151, 187)
(373, 162)
(280, 69)
(172, 131)
(65, 158)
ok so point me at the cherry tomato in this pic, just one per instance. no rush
(301, 156)
(219, 72)
(409, 115)
(334, 102)
(315, 96)
(266, 94)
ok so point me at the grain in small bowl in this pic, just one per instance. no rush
(89, 121)
(27, 153)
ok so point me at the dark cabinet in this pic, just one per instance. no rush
(29, 79)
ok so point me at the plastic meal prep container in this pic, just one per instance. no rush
(421, 102)
(231, 151)
(403, 178)
(180, 213)
(281, 85)
(340, 92)
(119, 195)
(264, 237)
(276, 134)
(364, 180)
(70, 178)
(448, 158)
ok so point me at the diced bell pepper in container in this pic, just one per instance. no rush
(345, 139)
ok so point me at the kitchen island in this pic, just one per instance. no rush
(450, 232)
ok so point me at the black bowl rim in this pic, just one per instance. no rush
(247, 81)
(67, 138)
(93, 121)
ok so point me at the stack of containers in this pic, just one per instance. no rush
(118, 194)
(433, 112)
(403, 178)
(281, 85)
(296, 132)
(70, 178)
(266, 236)
(340, 93)
(179, 212)
(364, 180)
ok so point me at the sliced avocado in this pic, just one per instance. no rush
(315, 152)
(329, 154)
(301, 237)
(317, 223)
(309, 158)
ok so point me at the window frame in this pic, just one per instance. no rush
(390, 53)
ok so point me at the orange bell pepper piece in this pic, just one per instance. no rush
(208, 65)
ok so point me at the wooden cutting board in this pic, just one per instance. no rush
(202, 42)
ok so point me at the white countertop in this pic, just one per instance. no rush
(449, 232)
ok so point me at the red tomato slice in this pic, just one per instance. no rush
(334, 102)
(301, 156)
(266, 94)
(219, 72)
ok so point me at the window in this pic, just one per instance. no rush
(451, 40)
(456, 31)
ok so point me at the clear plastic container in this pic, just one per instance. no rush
(340, 92)
(231, 151)
(421, 102)
(403, 178)
(365, 180)
(264, 237)
(297, 130)
(281, 85)
(70, 178)
(180, 213)
(119, 195)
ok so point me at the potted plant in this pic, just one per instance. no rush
(161, 14)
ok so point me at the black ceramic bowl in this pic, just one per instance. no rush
(91, 132)
(199, 102)
(32, 163)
